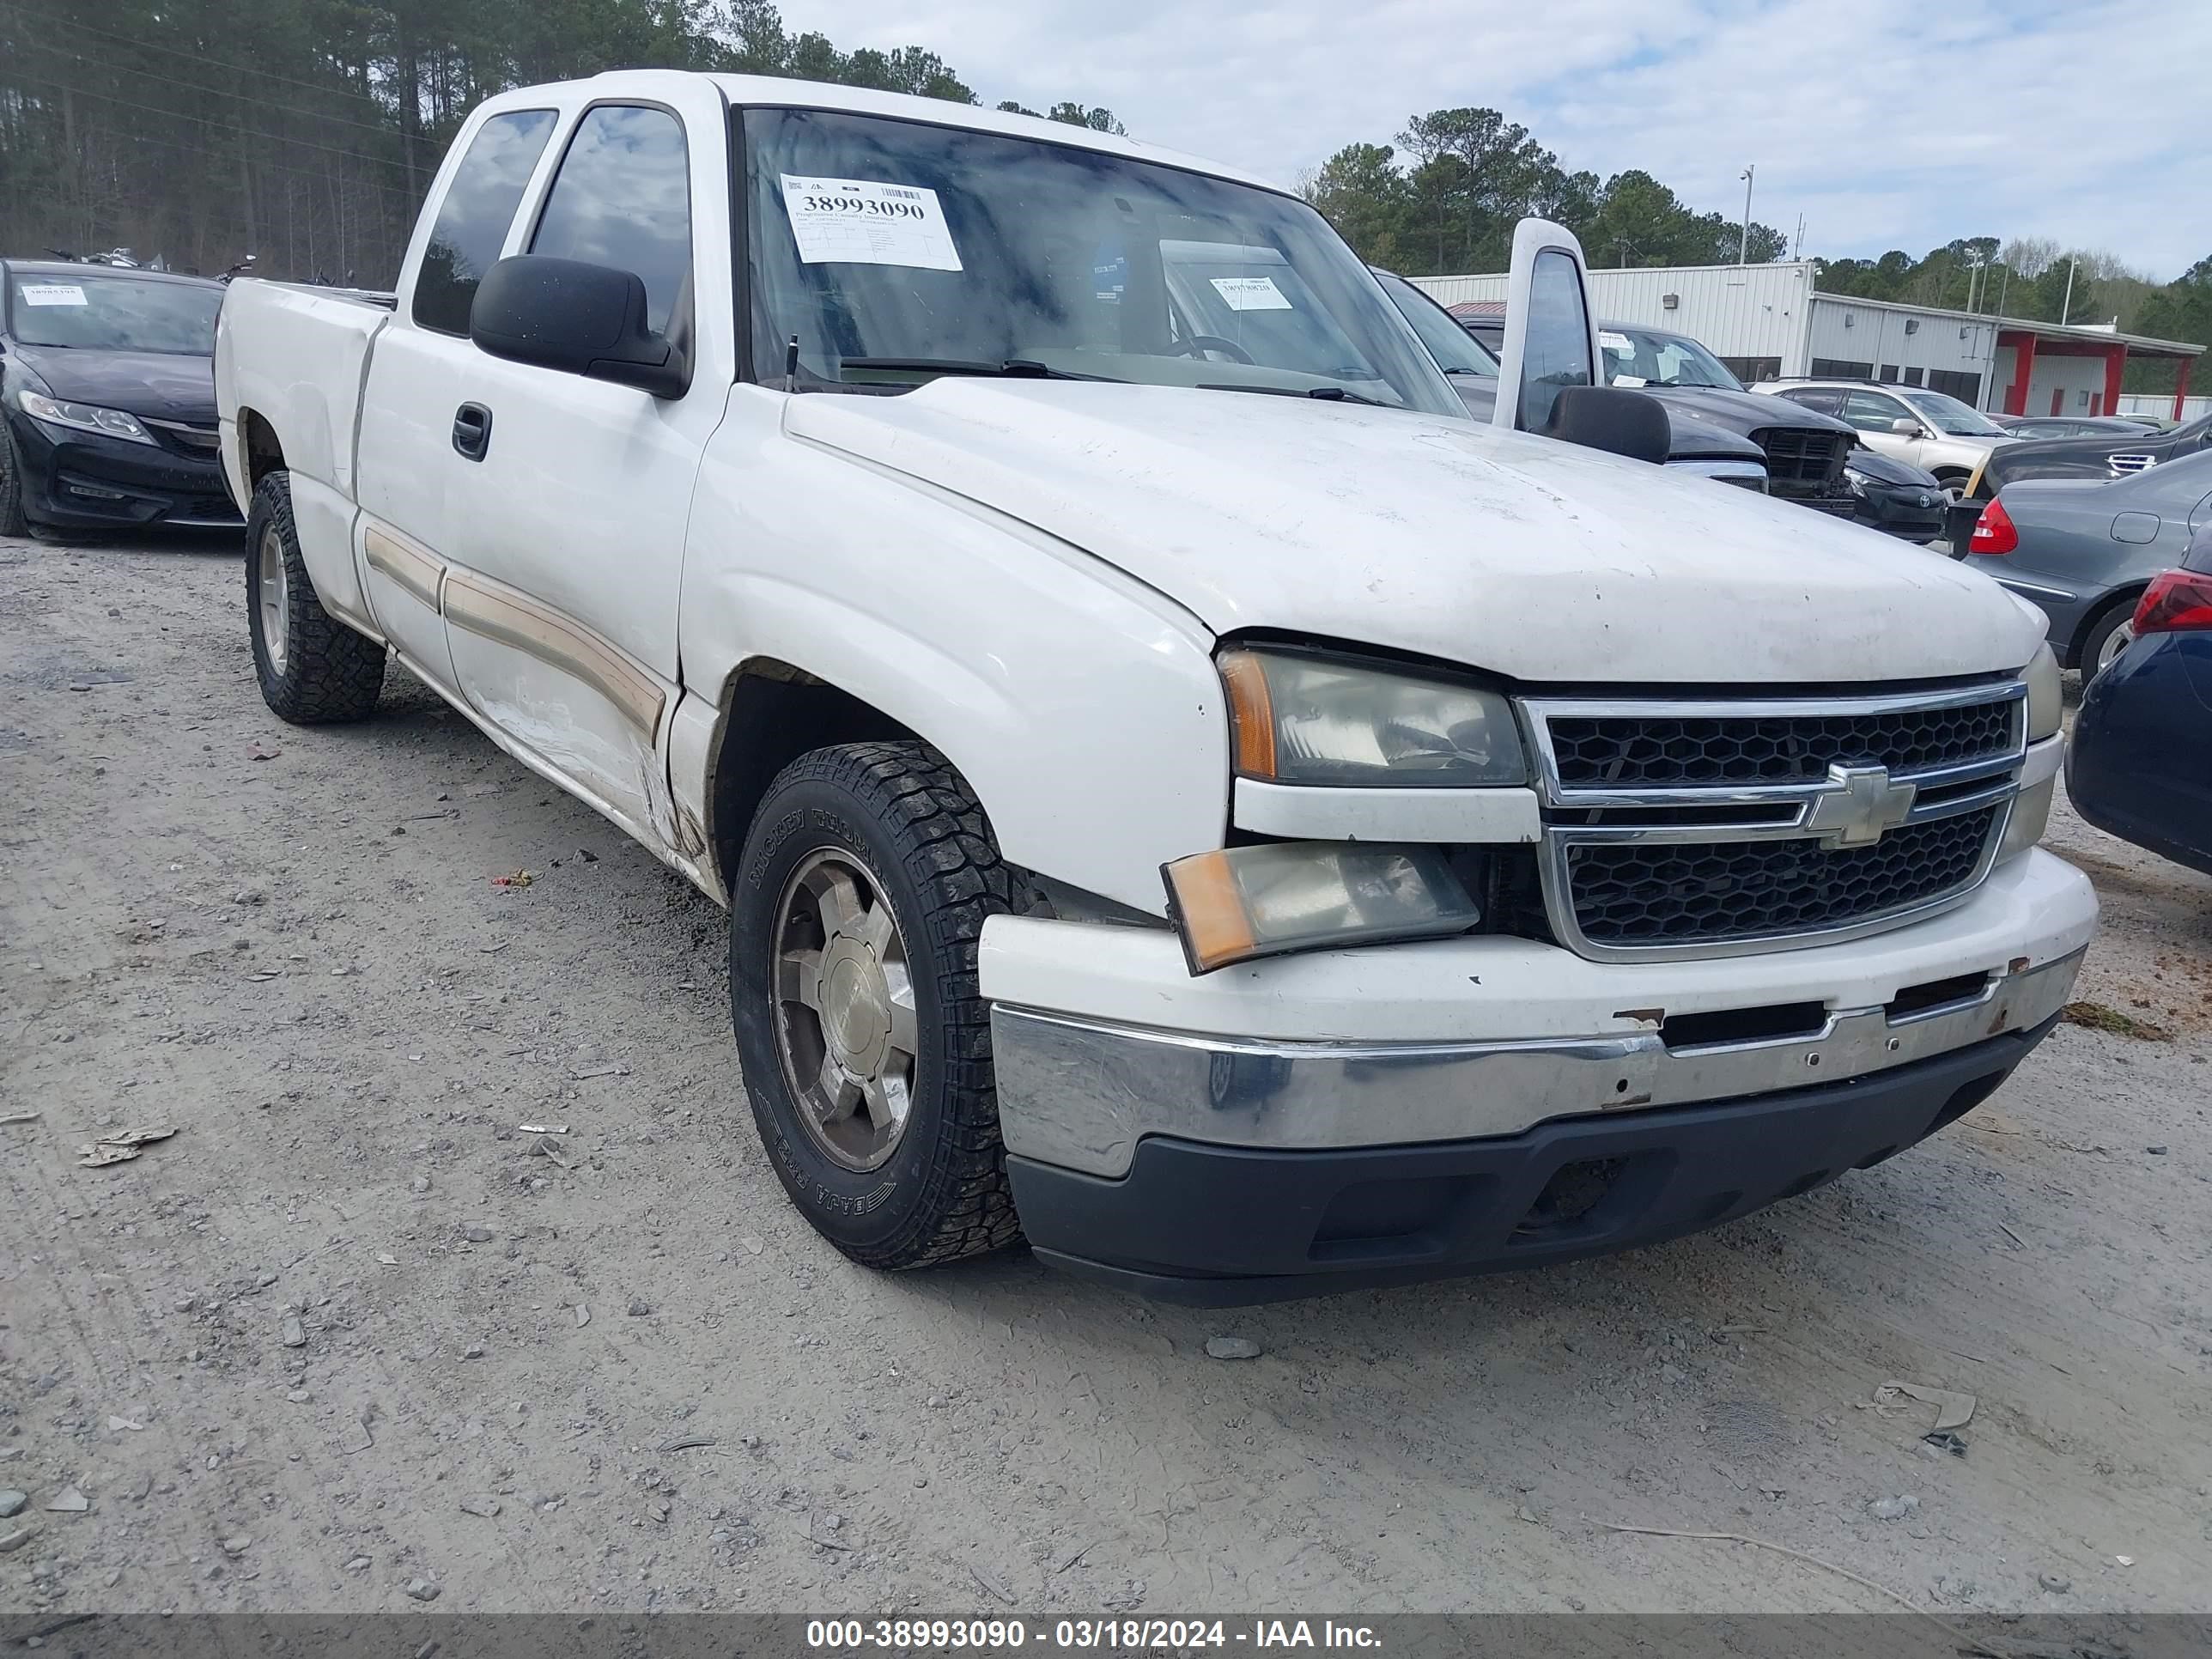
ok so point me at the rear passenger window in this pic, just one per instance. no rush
(472, 220)
(622, 199)
(1870, 411)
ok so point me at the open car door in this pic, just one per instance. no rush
(1549, 382)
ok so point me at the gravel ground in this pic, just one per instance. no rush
(349, 1331)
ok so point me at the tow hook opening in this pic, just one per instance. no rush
(1574, 1190)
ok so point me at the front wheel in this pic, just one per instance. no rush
(312, 668)
(865, 1044)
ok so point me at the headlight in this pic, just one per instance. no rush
(2047, 695)
(1316, 720)
(108, 422)
(1857, 481)
(1245, 901)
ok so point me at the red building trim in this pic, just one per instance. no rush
(2181, 386)
(2116, 362)
(2023, 369)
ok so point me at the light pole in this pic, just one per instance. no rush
(1743, 247)
(1997, 321)
(2066, 305)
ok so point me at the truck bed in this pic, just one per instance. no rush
(303, 376)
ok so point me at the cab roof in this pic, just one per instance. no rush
(780, 92)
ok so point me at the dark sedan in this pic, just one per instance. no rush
(2085, 550)
(107, 416)
(2140, 765)
(1898, 497)
(2074, 426)
(2111, 456)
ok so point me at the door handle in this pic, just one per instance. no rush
(471, 431)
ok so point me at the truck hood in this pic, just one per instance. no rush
(1688, 438)
(1521, 556)
(1742, 412)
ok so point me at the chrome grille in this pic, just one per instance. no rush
(1635, 894)
(1713, 826)
(2132, 462)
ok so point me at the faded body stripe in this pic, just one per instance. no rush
(415, 568)
(492, 610)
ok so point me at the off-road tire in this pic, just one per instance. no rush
(330, 673)
(903, 812)
(12, 522)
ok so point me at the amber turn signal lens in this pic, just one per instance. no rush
(1216, 931)
(1253, 713)
(1274, 897)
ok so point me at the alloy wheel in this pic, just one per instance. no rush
(275, 599)
(845, 1029)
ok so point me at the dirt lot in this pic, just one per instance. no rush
(348, 1330)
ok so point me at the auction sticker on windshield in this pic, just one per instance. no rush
(861, 221)
(1252, 294)
(50, 294)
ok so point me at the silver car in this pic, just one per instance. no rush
(1931, 430)
(2084, 550)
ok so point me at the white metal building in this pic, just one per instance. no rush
(1768, 320)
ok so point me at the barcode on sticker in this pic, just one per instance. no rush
(866, 221)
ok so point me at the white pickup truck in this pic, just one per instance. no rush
(1186, 795)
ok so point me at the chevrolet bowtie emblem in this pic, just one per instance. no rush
(1858, 805)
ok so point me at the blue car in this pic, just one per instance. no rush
(2140, 765)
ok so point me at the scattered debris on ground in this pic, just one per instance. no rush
(2098, 1017)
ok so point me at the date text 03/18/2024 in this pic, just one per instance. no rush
(1087, 1635)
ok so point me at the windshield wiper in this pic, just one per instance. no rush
(1011, 369)
(1334, 394)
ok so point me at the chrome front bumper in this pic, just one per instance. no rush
(1081, 1093)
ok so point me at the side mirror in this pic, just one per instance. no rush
(1611, 418)
(580, 319)
(1905, 427)
(1550, 342)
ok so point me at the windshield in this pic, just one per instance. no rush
(893, 250)
(1637, 357)
(113, 313)
(1954, 417)
(1457, 351)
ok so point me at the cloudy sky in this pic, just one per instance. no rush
(1886, 123)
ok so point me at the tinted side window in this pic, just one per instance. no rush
(622, 199)
(472, 220)
(1457, 351)
(1557, 352)
(1813, 397)
(1870, 411)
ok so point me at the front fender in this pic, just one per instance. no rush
(1082, 707)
